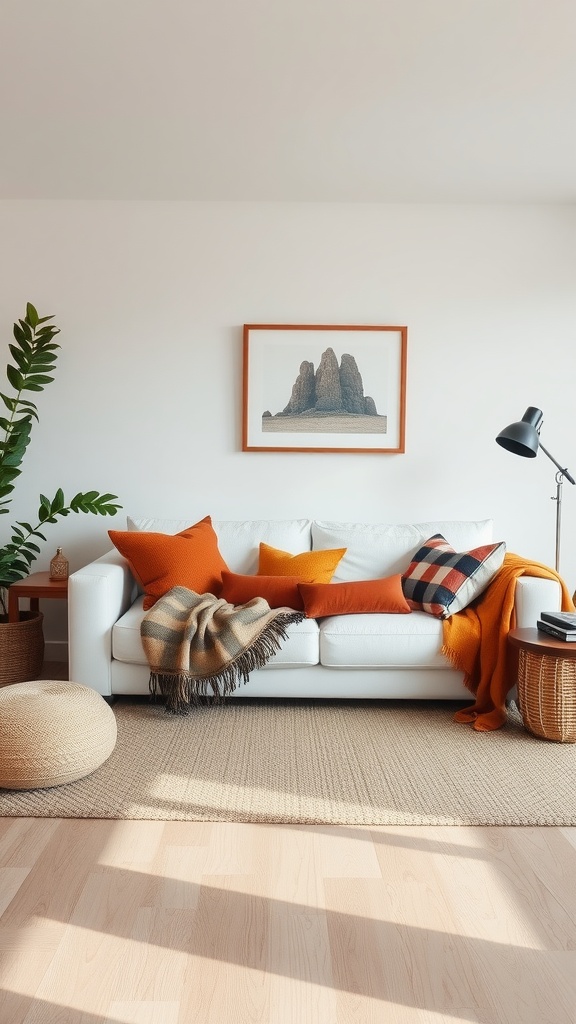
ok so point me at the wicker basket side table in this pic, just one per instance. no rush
(546, 684)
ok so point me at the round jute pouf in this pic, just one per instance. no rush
(52, 732)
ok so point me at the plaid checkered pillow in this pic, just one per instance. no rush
(441, 581)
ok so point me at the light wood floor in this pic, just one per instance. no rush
(136, 922)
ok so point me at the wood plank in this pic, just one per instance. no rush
(110, 922)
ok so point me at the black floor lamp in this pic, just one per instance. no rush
(523, 438)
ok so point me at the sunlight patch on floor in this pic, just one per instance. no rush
(131, 844)
(294, 807)
(143, 1012)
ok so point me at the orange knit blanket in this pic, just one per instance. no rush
(475, 641)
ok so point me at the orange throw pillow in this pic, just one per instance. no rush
(309, 566)
(160, 561)
(355, 598)
(279, 591)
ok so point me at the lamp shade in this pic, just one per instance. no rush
(523, 438)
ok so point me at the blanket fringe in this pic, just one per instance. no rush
(183, 691)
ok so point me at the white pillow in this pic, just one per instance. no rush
(384, 549)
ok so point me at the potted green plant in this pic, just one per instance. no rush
(34, 353)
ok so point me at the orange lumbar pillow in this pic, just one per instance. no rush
(355, 598)
(278, 591)
(309, 566)
(160, 561)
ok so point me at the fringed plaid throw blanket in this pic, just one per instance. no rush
(199, 646)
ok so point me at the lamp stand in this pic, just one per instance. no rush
(558, 499)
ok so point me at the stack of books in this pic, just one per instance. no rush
(561, 625)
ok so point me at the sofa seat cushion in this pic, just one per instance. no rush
(301, 648)
(382, 641)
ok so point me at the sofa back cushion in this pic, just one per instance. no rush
(239, 540)
(382, 549)
(372, 549)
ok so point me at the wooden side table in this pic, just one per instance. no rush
(546, 684)
(37, 586)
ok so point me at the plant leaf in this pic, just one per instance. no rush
(15, 377)
(58, 501)
(19, 356)
(21, 338)
(31, 315)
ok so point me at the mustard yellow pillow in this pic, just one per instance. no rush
(308, 566)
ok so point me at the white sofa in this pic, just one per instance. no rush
(347, 656)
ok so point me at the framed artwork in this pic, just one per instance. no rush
(323, 389)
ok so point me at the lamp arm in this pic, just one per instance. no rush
(562, 470)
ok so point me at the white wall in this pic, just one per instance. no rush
(151, 298)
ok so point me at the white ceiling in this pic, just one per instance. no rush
(297, 100)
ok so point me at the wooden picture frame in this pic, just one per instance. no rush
(320, 388)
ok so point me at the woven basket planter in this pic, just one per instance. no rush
(21, 648)
(547, 696)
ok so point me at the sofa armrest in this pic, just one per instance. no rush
(533, 596)
(98, 594)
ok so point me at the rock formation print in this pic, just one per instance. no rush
(332, 389)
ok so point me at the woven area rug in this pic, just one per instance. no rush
(334, 762)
